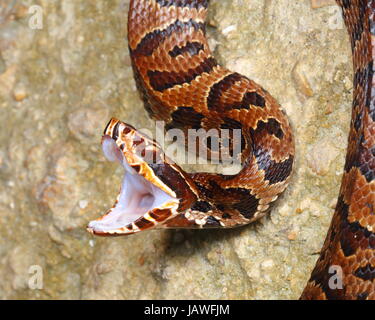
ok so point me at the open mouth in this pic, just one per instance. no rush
(138, 199)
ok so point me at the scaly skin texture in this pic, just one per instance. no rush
(348, 253)
(182, 84)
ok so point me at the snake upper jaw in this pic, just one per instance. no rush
(141, 204)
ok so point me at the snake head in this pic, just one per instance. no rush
(147, 198)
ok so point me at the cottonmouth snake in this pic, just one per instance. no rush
(182, 84)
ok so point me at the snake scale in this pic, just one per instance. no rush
(182, 84)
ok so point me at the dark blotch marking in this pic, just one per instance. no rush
(366, 163)
(115, 131)
(247, 205)
(212, 222)
(229, 123)
(138, 141)
(272, 126)
(239, 198)
(362, 296)
(213, 98)
(227, 177)
(363, 77)
(363, 158)
(345, 242)
(202, 206)
(226, 216)
(221, 208)
(184, 3)
(185, 117)
(207, 192)
(357, 19)
(143, 223)
(160, 215)
(252, 98)
(249, 98)
(192, 48)
(143, 154)
(106, 127)
(136, 167)
(163, 80)
(228, 199)
(358, 121)
(274, 171)
(366, 273)
(352, 235)
(345, 3)
(152, 40)
(352, 159)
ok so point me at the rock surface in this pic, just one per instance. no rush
(58, 87)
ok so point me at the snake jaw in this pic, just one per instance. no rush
(143, 202)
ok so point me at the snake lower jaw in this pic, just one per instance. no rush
(138, 204)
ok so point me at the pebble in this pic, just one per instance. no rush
(19, 94)
(229, 29)
(84, 122)
(267, 264)
(320, 156)
(284, 210)
(54, 234)
(292, 235)
(300, 80)
(83, 204)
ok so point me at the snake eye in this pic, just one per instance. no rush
(138, 198)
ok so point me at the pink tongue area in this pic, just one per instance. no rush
(134, 202)
(137, 195)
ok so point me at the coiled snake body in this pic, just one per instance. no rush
(183, 85)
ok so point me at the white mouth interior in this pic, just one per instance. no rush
(137, 195)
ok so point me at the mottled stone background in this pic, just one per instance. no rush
(60, 85)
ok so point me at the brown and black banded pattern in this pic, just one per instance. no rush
(182, 83)
(350, 242)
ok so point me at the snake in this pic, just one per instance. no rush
(182, 84)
